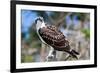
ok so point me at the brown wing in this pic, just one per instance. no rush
(53, 37)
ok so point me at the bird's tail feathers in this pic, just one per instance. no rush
(73, 53)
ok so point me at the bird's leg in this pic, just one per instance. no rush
(52, 55)
(73, 53)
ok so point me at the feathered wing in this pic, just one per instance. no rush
(54, 38)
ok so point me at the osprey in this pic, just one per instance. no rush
(51, 36)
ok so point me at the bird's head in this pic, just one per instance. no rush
(39, 22)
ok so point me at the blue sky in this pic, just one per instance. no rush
(28, 18)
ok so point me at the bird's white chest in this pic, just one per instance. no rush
(41, 38)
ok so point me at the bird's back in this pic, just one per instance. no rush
(53, 37)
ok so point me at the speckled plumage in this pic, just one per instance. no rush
(54, 38)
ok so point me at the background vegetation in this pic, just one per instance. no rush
(75, 26)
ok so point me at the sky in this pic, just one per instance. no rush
(28, 18)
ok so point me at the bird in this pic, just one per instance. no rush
(51, 36)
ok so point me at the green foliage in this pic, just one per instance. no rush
(86, 32)
(81, 16)
(33, 39)
(27, 58)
